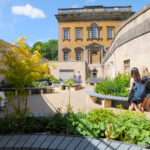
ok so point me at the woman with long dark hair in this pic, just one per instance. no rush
(135, 77)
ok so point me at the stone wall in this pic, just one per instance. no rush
(76, 66)
(72, 43)
(130, 43)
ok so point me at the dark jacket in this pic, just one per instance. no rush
(146, 81)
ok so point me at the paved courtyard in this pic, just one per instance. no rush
(49, 103)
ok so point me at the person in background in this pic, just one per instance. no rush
(146, 81)
(78, 77)
(135, 77)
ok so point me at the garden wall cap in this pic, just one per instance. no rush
(49, 141)
(92, 93)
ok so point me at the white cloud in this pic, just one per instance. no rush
(28, 10)
(90, 1)
(74, 6)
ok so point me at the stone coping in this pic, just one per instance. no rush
(60, 142)
(28, 88)
(72, 85)
(106, 97)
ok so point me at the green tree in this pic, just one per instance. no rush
(20, 68)
(35, 45)
(50, 50)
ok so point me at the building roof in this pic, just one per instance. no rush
(91, 13)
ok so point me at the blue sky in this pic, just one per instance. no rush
(35, 18)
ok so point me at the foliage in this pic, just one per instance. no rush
(53, 79)
(39, 84)
(131, 127)
(70, 81)
(23, 124)
(21, 69)
(48, 49)
(57, 124)
(35, 46)
(116, 87)
(126, 126)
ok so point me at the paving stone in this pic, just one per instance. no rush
(30, 142)
(39, 141)
(4, 141)
(102, 145)
(74, 143)
(1, 137)
(12, 142)
(83, 143)
(135, 148)
(21, 142)
(124, 147)
(56, 142)
(93, 144)
(65, 143)
(47, 142)
(113, 145)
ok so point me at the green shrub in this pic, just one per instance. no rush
(116, 87)
(70, 81)
(131, 127)
(53, 79)
(27, 124)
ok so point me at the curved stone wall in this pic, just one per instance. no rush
(132, 42)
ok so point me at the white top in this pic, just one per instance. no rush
(2, 102)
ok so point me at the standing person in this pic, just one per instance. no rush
(135, 78)
(78, 77)
(145, 80)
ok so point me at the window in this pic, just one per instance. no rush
(110, 33)
(127, 66)
(94, 53)
(78, 55)
(66, 56)
(78, 33)
(66, 34)
(89, 33)
(99, 33)
(94, 31)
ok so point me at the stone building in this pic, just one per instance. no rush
(130, 46)
(85, 35)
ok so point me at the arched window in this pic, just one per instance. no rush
(94, 30)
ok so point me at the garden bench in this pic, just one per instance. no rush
(106, 100)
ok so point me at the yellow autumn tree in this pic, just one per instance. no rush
(21, 68)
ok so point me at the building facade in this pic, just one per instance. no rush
(85, 35)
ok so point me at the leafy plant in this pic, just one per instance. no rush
(53, 79)
(70, 81)
(131, 127)
(39, 84)
(116, 87)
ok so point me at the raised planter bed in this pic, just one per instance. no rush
(106, 100)
(74, 87)
(31, 90)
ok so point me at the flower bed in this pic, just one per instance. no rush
(126, 126)
(116, 87)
